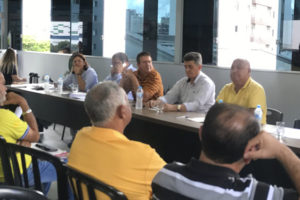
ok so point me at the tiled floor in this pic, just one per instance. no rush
(53, 138)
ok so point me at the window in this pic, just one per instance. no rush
(36, 30)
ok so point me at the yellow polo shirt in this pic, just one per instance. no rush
(12, 128)
(109, 156)
(249, 96)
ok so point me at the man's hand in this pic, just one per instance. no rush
(24, 143)
(13, 98)
(77, 70)
(263, 146)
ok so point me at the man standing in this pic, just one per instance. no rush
(146, 76)
(195, 92)
(244, 91)
(15, 130)
(103, 151)
(230, 139)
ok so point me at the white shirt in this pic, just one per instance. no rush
(198, 96)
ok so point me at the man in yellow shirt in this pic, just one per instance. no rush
(244, 91)
(104, 152)
(15, 130)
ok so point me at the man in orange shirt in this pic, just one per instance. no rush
(104, 152)
(146, 76)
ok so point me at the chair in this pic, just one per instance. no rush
(297, 123)
(78, 179)
(19, 193)
(273, 116)
(12, 172)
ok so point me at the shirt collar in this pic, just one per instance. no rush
(219, 171)
(247, 83)
(196, 79)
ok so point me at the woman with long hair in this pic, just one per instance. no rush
(9, 67)
(81, 74)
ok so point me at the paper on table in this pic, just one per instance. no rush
(196, 119)
(78, 95)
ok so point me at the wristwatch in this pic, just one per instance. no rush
(178, 107)
(27, 112)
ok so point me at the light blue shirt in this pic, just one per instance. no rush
(89, 76)
(117, 77)
(198, 97)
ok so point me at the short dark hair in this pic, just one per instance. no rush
(193, 56)
(226, 131)
(121, 56)
(143, 53)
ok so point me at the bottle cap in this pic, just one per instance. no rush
(258, 106)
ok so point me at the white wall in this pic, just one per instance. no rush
(281, 88)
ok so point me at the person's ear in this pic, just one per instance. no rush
(200, 67)
(121, 111)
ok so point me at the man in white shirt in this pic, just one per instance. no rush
(195, 92)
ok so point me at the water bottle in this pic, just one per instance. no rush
(258, 113)
(60, 83)
(139, 98)
(46, 82)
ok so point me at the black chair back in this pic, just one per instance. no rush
(12, 172)
(78, 179)
(273, 116)
(297, 123)
(19, 193)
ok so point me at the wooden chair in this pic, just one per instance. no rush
(273, 116)
(12, 169)
(20, 193)
(77, 179)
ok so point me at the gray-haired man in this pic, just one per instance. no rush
(195, 92)
(103, 151)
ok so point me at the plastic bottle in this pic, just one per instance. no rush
(60, 83)
(46, 82)
(139, 98)
(220, 101)
(258, 113)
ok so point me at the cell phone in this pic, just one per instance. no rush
(45, 147)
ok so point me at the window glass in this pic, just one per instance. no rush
(166, 24)
(36, 25)
(262, 31)
(134, 28)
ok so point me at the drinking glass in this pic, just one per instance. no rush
(280, 130)
(74, 87)
(160, 107)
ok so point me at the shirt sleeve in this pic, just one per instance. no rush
(153, 86)
(91, 79)
(155, 164)
(172, 95)
(16, 127)
(257, 97)
(205, 95)
(68, 80)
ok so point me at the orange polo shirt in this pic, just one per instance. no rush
(112, 158)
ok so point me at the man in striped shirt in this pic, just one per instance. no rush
(230, 139)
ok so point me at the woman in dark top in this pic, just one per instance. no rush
(9, 67)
